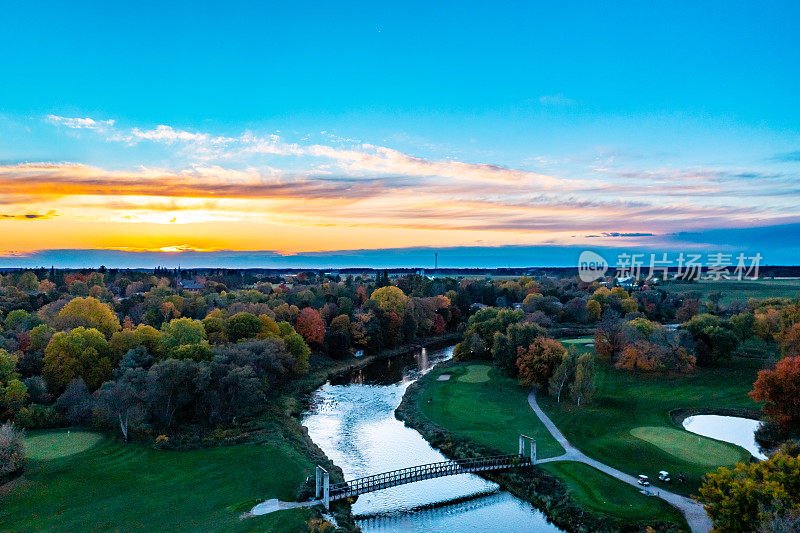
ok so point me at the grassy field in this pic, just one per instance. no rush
(740, 290)
(602, 494)
(628, 426)
(113, 486)
(56, 444)
(494, 413)
(476, 374)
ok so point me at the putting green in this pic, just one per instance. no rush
(55, 444)
(476, 374)
(688, 446)
(579, 340)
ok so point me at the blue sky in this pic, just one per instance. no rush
(576, 104)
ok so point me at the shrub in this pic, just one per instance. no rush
(12, 450)
(37, 416)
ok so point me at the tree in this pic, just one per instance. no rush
(8, 366)
(780, 390)
(28, 282)
(310, 325)
(243, 326)
(80, 353)
(76, 404)
(742, 498)
(536, 364)
(180, 332)
(390, 299)
(120, 402)
(145, 336)
(563, 375)
(790, 341)
(640, 355)
(90, 313)
(12, 450)
(170, 387)
(582, 386)
(15, 395)
(299, 350)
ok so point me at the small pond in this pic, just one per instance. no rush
(733, 429)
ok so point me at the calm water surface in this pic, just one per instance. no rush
(352, 420)
(733, 429)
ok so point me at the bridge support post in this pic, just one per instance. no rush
(323, 488)
(531, 446)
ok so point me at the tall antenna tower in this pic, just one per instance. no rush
(436, 260)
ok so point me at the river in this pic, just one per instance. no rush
(352, 419)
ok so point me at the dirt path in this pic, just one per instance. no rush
(694, 513)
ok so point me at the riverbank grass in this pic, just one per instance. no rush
(492, 412)
(109, 485)
(606, 496)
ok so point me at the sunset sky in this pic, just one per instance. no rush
(145, 134)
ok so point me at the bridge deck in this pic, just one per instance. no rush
(394, 478)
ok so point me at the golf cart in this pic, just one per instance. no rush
(644, 481)
(664, 476)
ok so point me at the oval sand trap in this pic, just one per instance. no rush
(55, 444)
(688, 446)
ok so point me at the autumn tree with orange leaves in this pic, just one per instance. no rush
(310, 325)
(780, 390)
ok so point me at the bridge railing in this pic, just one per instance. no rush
(402, 476)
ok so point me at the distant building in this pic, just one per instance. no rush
(193, 286)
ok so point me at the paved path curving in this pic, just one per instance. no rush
(694, 513)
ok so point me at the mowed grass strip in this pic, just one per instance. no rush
(492, 413)
(476, 374)
(688, 446)
(605, 495)
(55, 444)
(131, 487)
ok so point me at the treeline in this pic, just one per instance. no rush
(147, 355)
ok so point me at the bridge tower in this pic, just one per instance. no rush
(323, 487)
(531, 447)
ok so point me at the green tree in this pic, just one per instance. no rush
(180, 332)
(81, 353)
(243, 326)
(90, 313)
(582, 386)
(390, 299)
(741, 498)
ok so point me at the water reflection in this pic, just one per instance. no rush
(352, 420)
(733, 429)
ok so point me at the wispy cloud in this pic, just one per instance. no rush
(81, 123)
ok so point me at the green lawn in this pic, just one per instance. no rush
(688, 446)
(113, 486)
(605, 495)
(476, 374)
(611, 427)
(55, 444)
(494, 413)
(733, 290)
